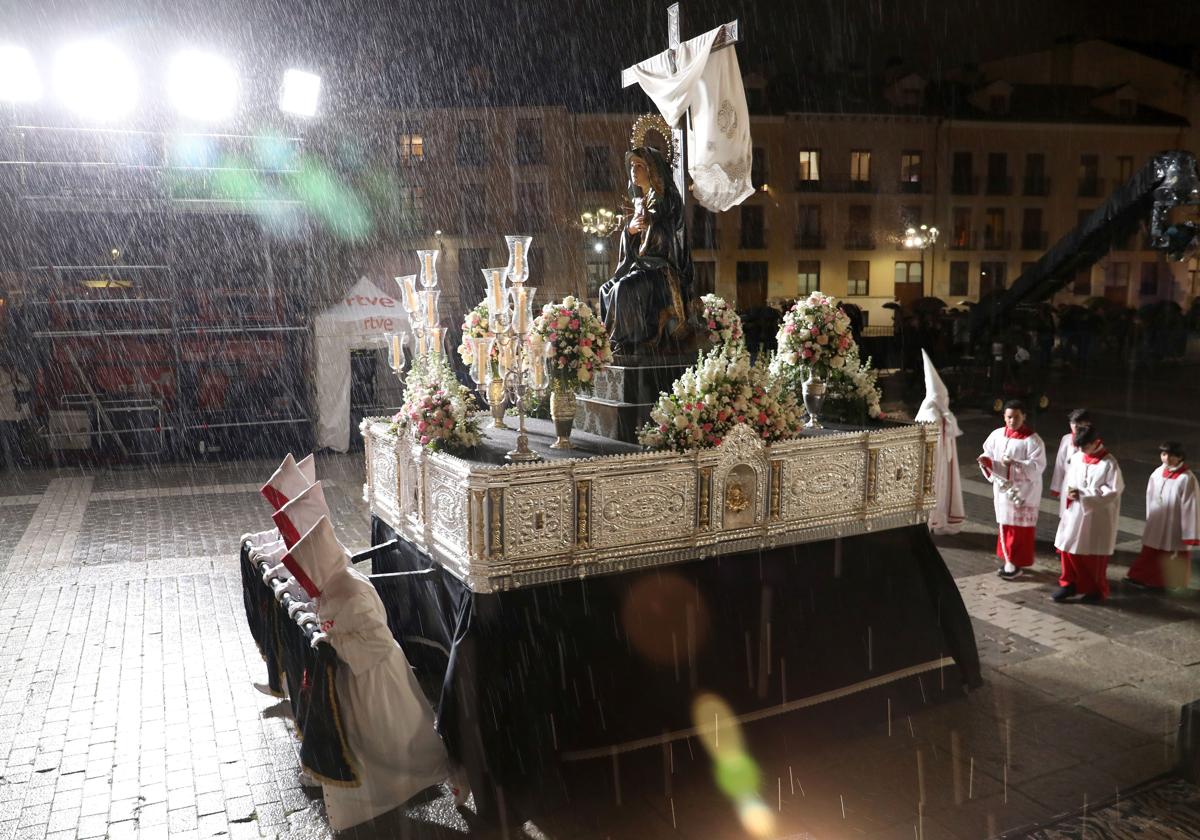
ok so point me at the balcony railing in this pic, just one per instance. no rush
(964, 185)
(911, 187)
(999, 185)
(1090, 187)
(963, 240)
(856, 241)
(997, 241)
(1033, 240)
(1037, 185)
(809, 240)
(860, 185)
(809, 185)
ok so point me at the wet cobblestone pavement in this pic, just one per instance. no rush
(130, 711)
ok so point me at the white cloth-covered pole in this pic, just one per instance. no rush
(709, 84)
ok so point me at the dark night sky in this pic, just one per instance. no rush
(407, 52)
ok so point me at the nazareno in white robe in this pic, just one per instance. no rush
(948, 514)
(1066, 448)
(1029, 462)
(388, 723)
(1089, 526)
(1172, 512)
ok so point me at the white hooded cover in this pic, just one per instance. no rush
(388, 722)
(299, 515)
(285, 484)
(718, 137)
(948, 514)
(308, 468)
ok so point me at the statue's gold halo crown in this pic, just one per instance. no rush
(647, 123)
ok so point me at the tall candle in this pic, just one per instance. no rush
(430, 309)
(436, 335)
(522, 306)
(428, 267)
(421, 343)
(408, 288)
(396, 351)
(518, 258)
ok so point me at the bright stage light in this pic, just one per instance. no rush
(202, 86)
(19, 81)
(300, 92)
(95, 79)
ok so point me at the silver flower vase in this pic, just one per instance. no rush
(562, 412)
(814, 400)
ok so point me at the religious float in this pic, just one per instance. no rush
(501, 526)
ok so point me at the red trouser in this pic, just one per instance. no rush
(1014, 543)
(1088, 572)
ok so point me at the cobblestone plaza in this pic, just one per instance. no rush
(130, 709)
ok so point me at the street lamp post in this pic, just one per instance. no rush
(923, 238)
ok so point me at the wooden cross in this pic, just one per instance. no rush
(727, 37)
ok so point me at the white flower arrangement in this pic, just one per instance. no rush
(474, 325)
(720, 391)
(857, 380)
(814, 337)
(438, 410)
(580, 341)
(724, 324)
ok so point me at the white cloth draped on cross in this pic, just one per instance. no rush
(709, 84)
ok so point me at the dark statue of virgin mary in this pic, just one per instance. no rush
(645, 302)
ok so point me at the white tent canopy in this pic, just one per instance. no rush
(357, 322)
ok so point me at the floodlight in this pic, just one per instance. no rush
(19, 81)
(300, 92)
(95, 79)
(202, 86)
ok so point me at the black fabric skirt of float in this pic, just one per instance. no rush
(587, 668)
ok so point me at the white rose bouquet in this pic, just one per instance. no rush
(721, 390)
(438, 411)
(474, 325)
(580, 342)
(724, 325)
(813, 338)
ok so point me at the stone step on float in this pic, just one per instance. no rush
(611, 419)
(623, 395)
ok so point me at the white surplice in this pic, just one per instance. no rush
(388, 723)
(948, 514)
(1025, 472)
(1172, 511)
(1066, 448)
(718, 137)
(1088, 526)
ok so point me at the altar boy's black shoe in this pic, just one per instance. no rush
(1091, 598)
(1013, 575)
(1062, 593)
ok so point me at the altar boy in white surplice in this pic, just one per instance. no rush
(1172, 524)
(1015, 455)
(1087, 522)
(947, 516)
(389, 725)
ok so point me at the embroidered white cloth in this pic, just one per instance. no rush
(718, 136)
(948, 515)
(1027, 462)
(1066, 448)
